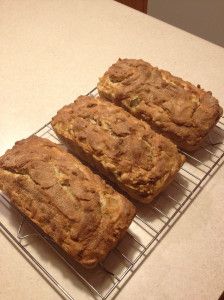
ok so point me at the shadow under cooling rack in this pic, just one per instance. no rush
(149, 226)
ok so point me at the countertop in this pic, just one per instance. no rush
(53, 51)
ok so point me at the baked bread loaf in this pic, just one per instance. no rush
(122, 148)
(72, 205)
(173, 107)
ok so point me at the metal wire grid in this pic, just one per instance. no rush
(145, 232)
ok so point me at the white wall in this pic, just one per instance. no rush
(204, 18)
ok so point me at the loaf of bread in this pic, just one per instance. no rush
(122, 148)
(72, 205)
(173, 107)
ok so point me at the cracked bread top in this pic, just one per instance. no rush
(174, 107)
(75, 207)
(122, 147)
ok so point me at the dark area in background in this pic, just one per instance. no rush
(140, 5)
(204, 18)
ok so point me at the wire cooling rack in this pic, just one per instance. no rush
(149, 226)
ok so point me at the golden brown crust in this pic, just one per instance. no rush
(123, 148)
(75, 207)
(174, 107)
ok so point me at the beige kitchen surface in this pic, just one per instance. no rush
(53, 51)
